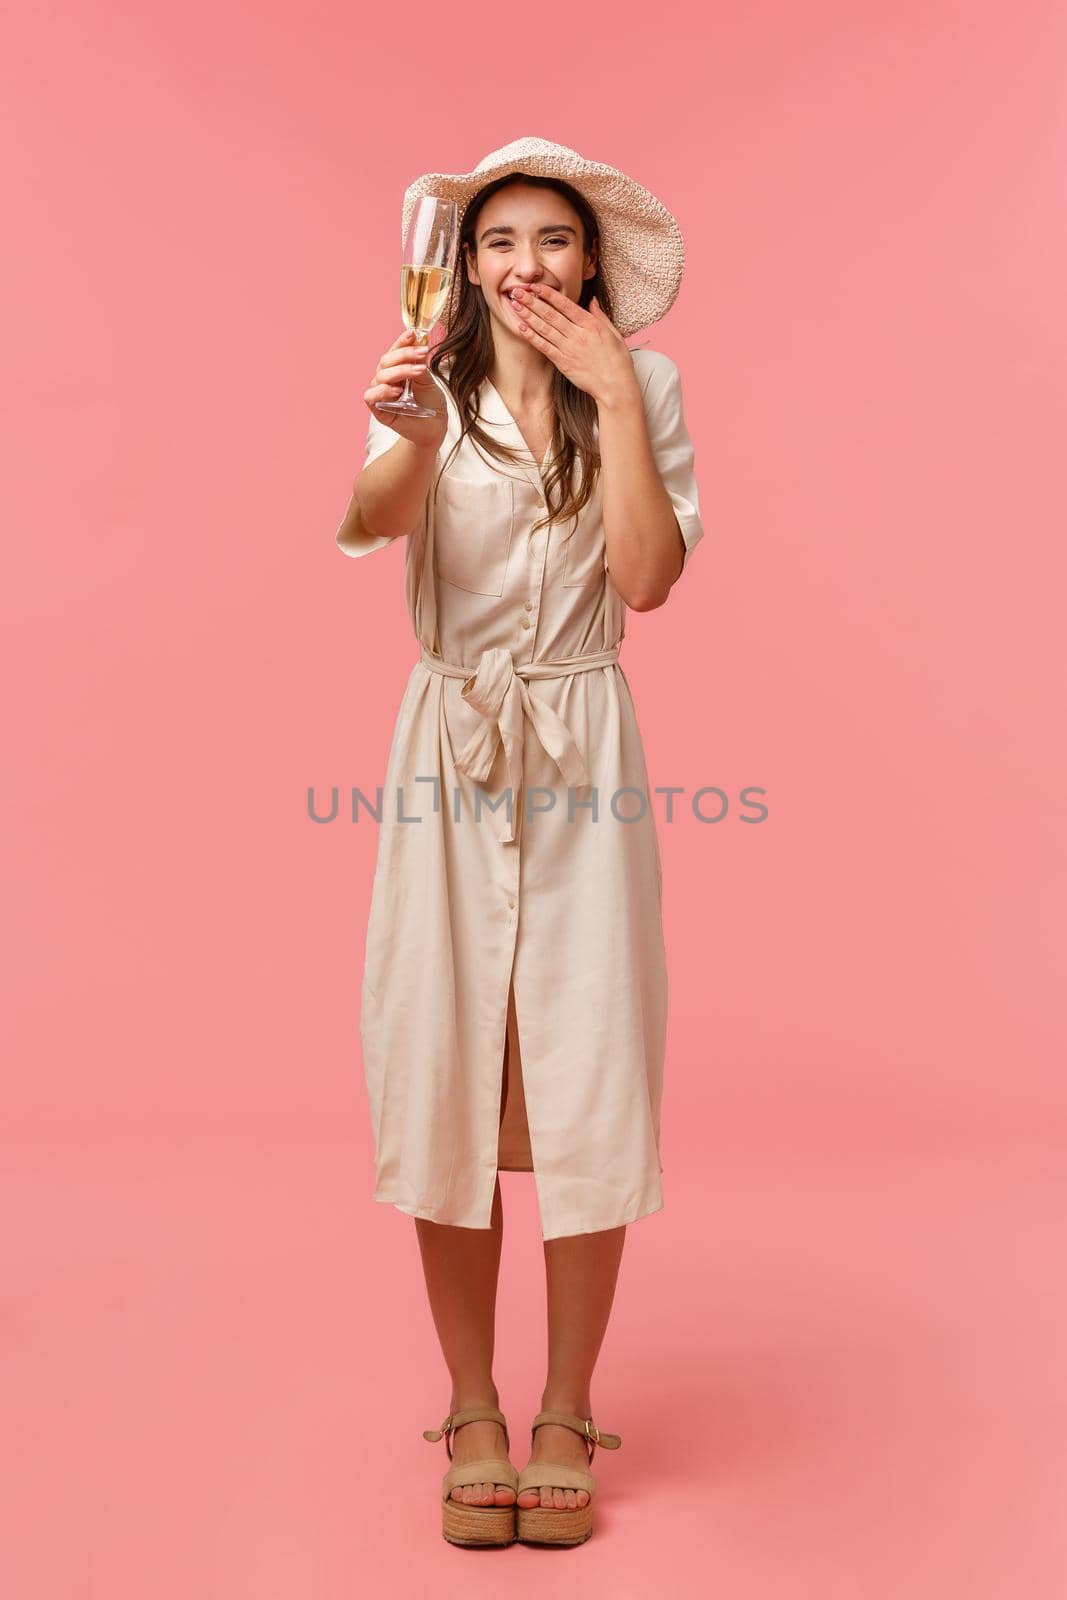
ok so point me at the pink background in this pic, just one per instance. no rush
(837, 1354)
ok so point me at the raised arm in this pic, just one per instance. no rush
(391, 488)
(388, 495)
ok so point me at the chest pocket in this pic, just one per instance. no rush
(474, 521)
(583, 557)
(584, 546)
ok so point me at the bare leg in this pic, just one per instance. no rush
(581, 1272)
(461, 1267)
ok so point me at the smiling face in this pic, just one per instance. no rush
(526, 234)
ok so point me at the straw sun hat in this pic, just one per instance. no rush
(641, 245)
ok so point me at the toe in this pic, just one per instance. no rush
(530, 1497)
(583, 1497)
(569, 1498)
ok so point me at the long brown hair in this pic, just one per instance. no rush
(468, 349)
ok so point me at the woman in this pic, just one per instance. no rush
(514, 996)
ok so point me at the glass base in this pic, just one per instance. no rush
(407, 408)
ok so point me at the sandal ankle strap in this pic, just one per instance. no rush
(456, 1419)
(583, 1425)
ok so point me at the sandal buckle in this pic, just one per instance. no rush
(592, 1431)
(433, 1434)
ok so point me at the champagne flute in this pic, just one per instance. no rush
(425, 281)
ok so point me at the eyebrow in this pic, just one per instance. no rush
(561, 227)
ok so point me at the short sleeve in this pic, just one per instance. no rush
(672, 447)
(380, 437)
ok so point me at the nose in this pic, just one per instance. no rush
(527, 265)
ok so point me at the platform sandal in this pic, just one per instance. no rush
(476, 1527)
(571, 1524)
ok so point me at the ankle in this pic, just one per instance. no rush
(474, 1396)
(576, 1406)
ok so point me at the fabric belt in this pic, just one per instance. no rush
(497, 691)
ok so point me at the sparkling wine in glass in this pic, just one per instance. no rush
(425, 281)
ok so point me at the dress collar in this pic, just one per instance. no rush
(501, 425)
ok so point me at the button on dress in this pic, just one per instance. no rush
(513, 1009)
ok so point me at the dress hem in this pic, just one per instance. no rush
(633, 1213)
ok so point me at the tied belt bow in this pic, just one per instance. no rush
(498, 692)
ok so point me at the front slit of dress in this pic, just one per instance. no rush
(513, 1148)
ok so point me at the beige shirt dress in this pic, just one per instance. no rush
(514, 998)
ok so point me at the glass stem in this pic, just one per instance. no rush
(421, 337)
